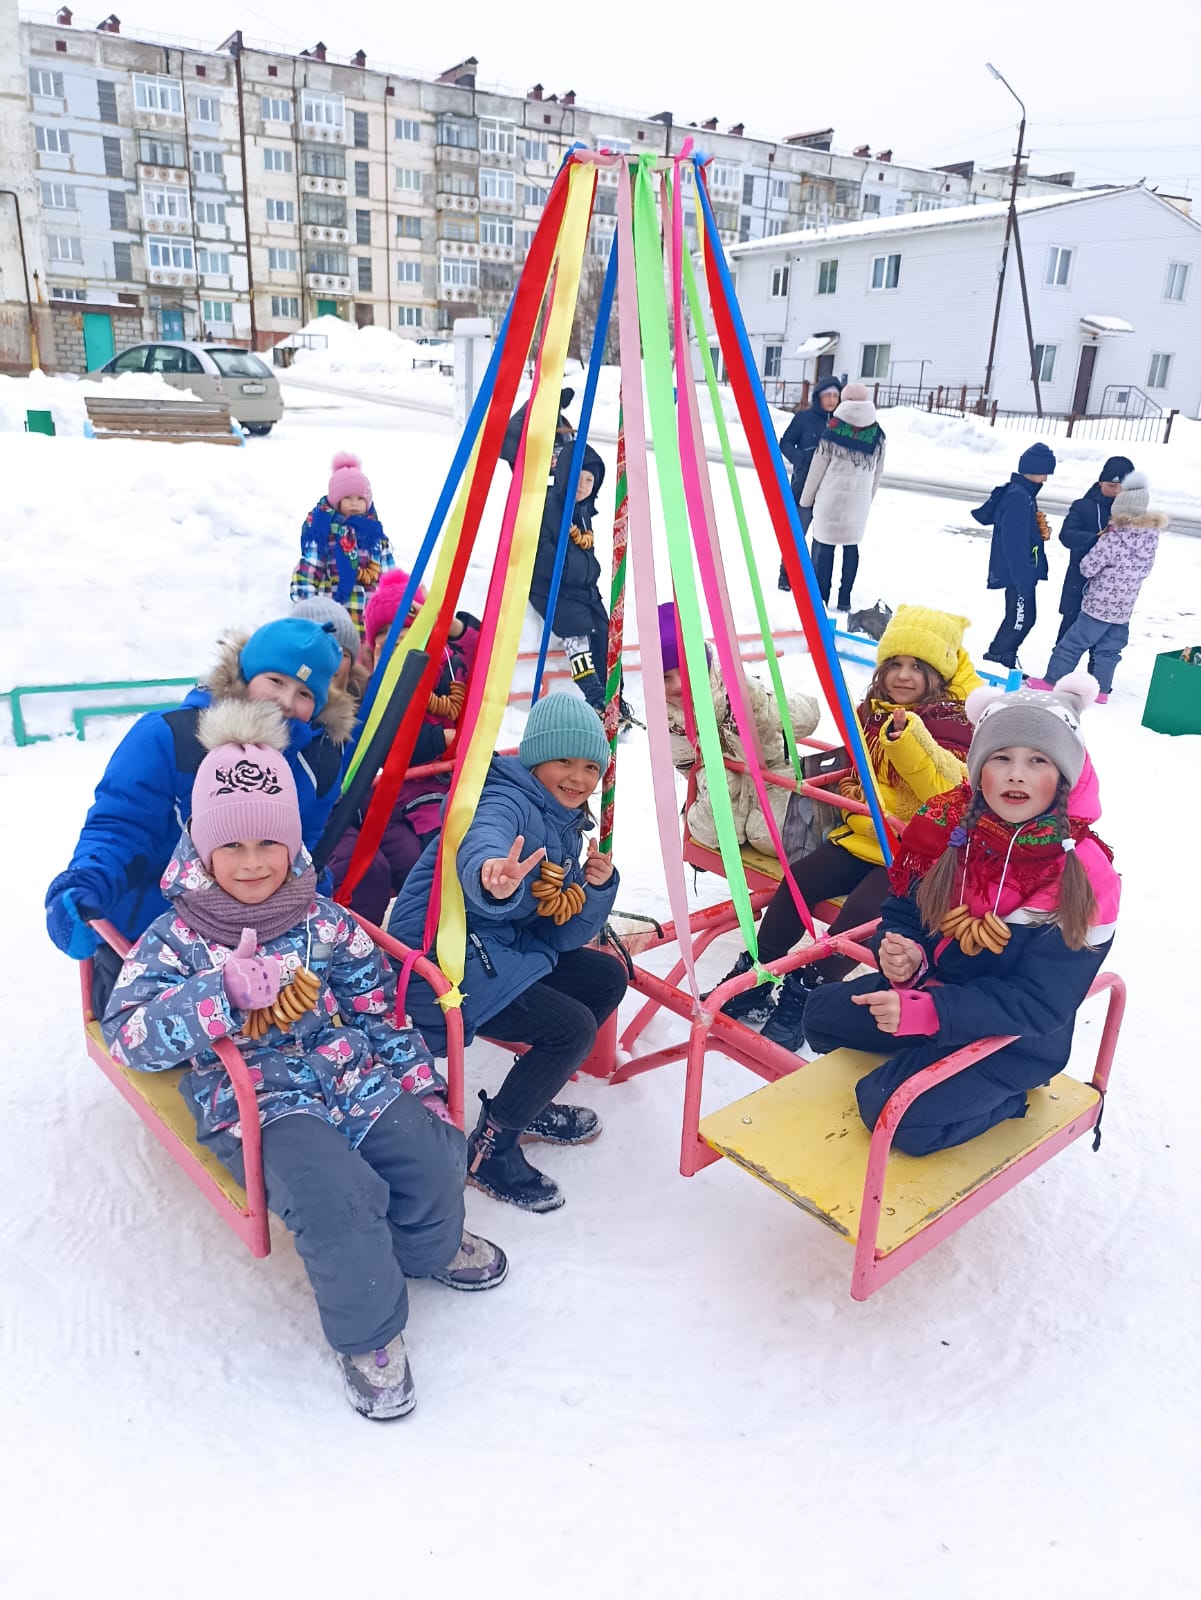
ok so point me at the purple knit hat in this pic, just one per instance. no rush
(669, 641)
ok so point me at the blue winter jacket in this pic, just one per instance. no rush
(1081, 529)
(804, 433)
(509, 946)
(144, 799)
(1017, 559)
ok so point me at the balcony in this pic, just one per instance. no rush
(171, 277)
(468, 204)
(458, 247)
(496, 252)
(460, 154)
(324, 284)
(322, 133)
(319, 233)
(309, 184)
(175, 175)
(167, 225)
(167, 121)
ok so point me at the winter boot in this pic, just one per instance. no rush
(496, 1165)
(786, 1025)
(625, 716)
(379, 1384)
(560, 1124)
(782, 582)
(478, 1264)
(753, 1006)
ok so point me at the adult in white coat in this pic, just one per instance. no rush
(840, 487)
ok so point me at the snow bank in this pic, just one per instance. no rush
(65, 396)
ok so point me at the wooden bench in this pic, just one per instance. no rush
(172, 421)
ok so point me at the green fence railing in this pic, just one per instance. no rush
(82, 715)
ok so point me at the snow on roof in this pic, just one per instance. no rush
(1096, 324)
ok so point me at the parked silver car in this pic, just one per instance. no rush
(211, 372)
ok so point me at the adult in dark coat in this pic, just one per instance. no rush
(801, 438)
(1017, 561)
(564, 432)
(1082, 527)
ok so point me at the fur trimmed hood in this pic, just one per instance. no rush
(225, 682)
(1145, 519)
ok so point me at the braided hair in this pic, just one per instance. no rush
(936, 889)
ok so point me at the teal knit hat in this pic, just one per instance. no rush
(560, 727)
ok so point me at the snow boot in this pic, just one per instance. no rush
(478, 1264)
(753, 1006)
(562, 1124)
(496, 1165)
(782, 583)
(786, 1025)
(379, 1384)
(625, 716)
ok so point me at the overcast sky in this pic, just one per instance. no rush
(1111, 90)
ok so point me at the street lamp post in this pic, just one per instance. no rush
(1011, 229)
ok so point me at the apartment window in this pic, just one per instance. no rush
(409, 179)
(334, 262)
(1178, 272)
(748, 190)
(106, 100)
(496, 230)
(112, 158)
(722, 175)
(363, 270)
(160, 152)
(457, 183)
(210, 212)
(775, 226)
(66, 247)
(461, 229)
(496, 184)
(600, 243)
(277, 160)
(46, 83)
(408, 272)
(886, 272)
(118, 216)
(286, 305)
(456, 274)
(871, 205)
(165, 200)
(779, 283)
(175, 254)
(58, 292)
(1059, 266)
(324, 163)
(498, 138)
(210, 162)
(1044, 361)
(457, 131)
(217, 310)
(1161, 369)
(777, 190)
(362, 180)
(827, 277)
(323, 211)
(122, 261)
(536, 150)
(605, 204)
(408, 316)
(281, 211)
(216, 261)
(772, 356)
(362, 227)
(408, 129)
(875, 361)
(281, 260)
(158, 94)
(275, 109)
(58, 196)
(532, 195)
(322, 110)
(206, 109)
(408, 227)
(53, 141)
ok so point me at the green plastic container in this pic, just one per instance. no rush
(1174, 697)
(40, 422)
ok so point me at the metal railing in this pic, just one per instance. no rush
(1132, 429)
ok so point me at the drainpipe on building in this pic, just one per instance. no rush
(236, 51)
(35, 363)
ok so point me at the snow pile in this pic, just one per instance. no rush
(65, 396)
(370, 358)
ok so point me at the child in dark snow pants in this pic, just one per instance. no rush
(359, 1155)
(1003, 909)
(1017, 561)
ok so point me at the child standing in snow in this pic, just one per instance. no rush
(1017, 561)
(359, 1155)
(343, 547)
(1002, 911)
(531, 908)
(840, 486)
(1114, 570)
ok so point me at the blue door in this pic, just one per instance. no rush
(171, 323)
(98, 343)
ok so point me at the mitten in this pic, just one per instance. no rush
(66, 922)
(437, 1107)
(250, 981)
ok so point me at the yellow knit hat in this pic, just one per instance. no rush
(931, 636)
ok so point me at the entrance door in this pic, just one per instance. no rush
(1084, 379)
(98, 346)
(327, 308)
(825, 366)
(364, 315)
(171, 323)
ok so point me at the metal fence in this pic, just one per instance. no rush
(1132, 429)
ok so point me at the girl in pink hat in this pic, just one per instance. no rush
(343, 548)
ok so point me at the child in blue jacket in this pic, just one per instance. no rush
(531, 907)
(1017, 561)
(359, 1155)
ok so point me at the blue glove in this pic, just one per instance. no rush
(65, 922)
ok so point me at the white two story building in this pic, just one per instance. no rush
(1113, 278)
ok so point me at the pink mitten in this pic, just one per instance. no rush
(437, 1107)
(251, 981)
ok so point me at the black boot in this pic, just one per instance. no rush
(786, 1025)
(782, 582)
(496, 1165)
(557, 1123)
(625, 716)
(753, 1006)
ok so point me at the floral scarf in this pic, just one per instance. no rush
(945, 721)
(353, 540)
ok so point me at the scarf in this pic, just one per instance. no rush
(861, 444)
(945, 721)
(353, 540)
(217, 916)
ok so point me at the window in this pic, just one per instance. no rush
(1059, 266)
(323, 163)
(408, 227)
(211, 212)
(456, 274)
(58, 292)
(286, 305)
(281, 211)
(496, 230)
(277, 160)
(363, 268)
(165, 200)
(45, 83)
(1177, 283)
(1161, 370)
(1044, 361)
(361, 129)
(536, 150)
(461, 229)
(609, 141)
(53, 141)
(175, 254)
(281, 260)
(827, 277)
(409, 179)
(362, 180)
(722, 175)
(65, 247)
(170, 358)
(158, 94)
(779, 283)
(217, 310)
(775, 227)
(58, 196)
(748, 190)
(871, 205)
(213, 261)
(362, 227)
(605, 204)
(106, 100)
(118, 216)
(498, 138)
(208, 161)
(334, 262)
(777, 191)
(324, 211)
(239, 364)
(408, 316)
(276, 110)
(408, 272)
(206, 109)
(122, 262)
(160, 152)
(886, 272)
(532, 195)
(408, 129)
(772, 356)
(322, 110)
(112, 158)
(496, 184)
(457, 183)
(457, 131)
(875, 361)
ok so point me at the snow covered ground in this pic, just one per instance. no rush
(674, 1394)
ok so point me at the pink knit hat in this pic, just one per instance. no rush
(348, 478)
(243, 790)
(384, 602)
